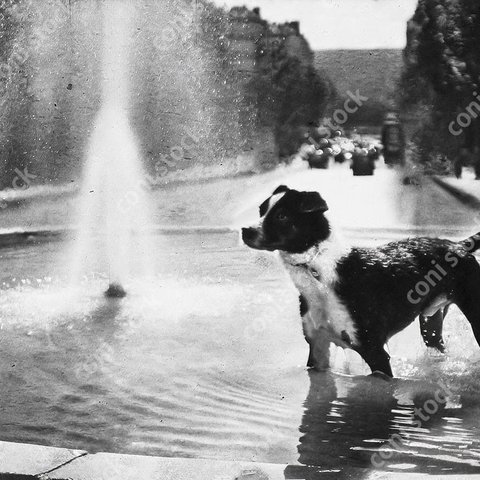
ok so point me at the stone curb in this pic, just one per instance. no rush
(20, 461)
(26, 461)
(464, 197)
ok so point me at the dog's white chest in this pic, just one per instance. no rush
(326, 313)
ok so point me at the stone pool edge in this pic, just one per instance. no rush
(23, 461)
(20, 461)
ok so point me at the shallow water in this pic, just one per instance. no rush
(206, 359)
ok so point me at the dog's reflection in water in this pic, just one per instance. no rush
(355, 425)
(334, 427)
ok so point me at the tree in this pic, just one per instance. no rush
(291, 94)
(442, 72)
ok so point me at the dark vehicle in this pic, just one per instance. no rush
(340, 157)
(373, 152)
(393, 140)
(362, 162)
(319, 159)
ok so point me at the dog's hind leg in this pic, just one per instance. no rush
(467, 295)
(431, 329)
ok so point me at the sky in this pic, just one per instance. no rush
(332, 24)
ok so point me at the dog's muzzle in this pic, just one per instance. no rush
(251, 236)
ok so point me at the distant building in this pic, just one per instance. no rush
(247, 28)
(289, 36)
(248, 34)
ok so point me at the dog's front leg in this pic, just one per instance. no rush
(316, 337)
(376, 358)
(319, 355)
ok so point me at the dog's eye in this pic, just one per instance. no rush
(281, 217)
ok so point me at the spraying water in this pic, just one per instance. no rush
(114, 213)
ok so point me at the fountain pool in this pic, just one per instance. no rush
(206, 359)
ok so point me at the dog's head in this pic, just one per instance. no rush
(290, 221)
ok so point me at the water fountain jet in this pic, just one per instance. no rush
(114, 212)
(115, 290)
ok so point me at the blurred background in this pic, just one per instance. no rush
(244, 84)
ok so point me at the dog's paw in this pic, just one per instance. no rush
(315, 368)
(380, 375)
(318, 366)
(436, 353)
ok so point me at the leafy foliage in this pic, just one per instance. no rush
(291, 94)
(442, 70)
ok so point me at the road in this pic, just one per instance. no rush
(370, 208)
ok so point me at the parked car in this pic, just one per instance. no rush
(319, 159)
(362, 162)
(373, 152)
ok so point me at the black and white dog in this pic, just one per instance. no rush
(360, 297)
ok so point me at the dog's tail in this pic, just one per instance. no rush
(472, 244)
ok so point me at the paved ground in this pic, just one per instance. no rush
(466, 189)
(380, 201)
(467, 182)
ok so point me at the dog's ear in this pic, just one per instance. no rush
(264, 207)
(312, 202)
(281, 189)
(266, 203)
